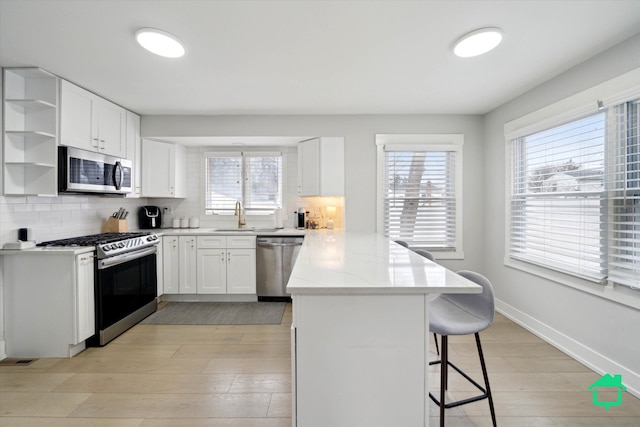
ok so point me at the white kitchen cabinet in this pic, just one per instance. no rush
(212, 271)
(209, 265)
(179, 264)
(62, 316)
(134, 153)
(170, 265)
(160, 268)
(241, 271)
(163, 169)
(187, 269)
(30, 116)
(226, 265)
(90, 122)
(321, 167)
(85, 305)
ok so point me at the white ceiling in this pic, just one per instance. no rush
(309, 57)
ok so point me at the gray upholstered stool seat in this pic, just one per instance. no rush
(428, 255)
(402, 243)
(448, 318)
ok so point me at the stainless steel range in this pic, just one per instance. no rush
(125, 280)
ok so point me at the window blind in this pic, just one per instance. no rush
(263, 181)
(624, 195)
(420, 198)
(223, 181)
(557, 200)
(254, 179)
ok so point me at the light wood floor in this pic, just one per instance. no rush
(239, 376)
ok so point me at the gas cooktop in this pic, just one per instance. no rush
(93, 239)
(109, 244)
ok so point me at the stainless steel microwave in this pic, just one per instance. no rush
(81, 171)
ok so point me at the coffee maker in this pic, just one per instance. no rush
(301, 218)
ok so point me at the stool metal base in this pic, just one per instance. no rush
(444, 381)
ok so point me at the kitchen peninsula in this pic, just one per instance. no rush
(360, 333)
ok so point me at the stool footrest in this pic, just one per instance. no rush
(484, 394)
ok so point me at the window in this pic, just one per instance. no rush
(624, 195)
(556, 198)
(575, 196)
(253, 179)
(420, 183)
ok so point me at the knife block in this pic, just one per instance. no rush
(114, 225)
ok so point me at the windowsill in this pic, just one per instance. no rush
(616, 293)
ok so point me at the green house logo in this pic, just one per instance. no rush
(608, 382)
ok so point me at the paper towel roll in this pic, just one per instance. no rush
(278, 218)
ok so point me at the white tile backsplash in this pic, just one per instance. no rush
(49, 218)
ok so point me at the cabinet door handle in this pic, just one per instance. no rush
(222, 256)
(102, 141)
(97, 142)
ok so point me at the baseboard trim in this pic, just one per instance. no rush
(583, 354)
(208, 297)
(3, 350)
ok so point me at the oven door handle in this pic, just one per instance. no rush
(129, 256)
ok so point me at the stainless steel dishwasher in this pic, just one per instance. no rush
(275, 257)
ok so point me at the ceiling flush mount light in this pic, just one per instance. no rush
(477, 42)
(160, 42)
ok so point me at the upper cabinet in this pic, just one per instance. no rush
(321, 167)
(30, 129)
(163, 171)
(90, 122)
(134, 152)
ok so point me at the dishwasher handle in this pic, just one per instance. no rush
(268, 245)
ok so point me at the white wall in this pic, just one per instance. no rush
(602, 333)
(360, 156)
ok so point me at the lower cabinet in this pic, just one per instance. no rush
(170, 265)
(187, 259)
(209, 264)
(49, 310)
(226, 265)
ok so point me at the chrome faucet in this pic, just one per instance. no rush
(238, 211)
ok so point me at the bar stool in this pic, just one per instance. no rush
(428, 255)
(462, 314)
(402, 243)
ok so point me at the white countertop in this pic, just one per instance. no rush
(38, 250)
(333, 262)
(246, 232)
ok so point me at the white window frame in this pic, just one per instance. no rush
(428, 142)
(606, 95)
(250, 152)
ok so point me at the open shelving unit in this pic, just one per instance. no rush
(30, 132)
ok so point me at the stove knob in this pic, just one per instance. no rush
(106, 248)
(121, 245)
(150, 239)
(114, 246)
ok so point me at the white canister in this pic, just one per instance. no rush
(176, 223)
(194, 222)
(278, 218)
(184, 222)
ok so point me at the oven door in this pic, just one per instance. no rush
(126, 288)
